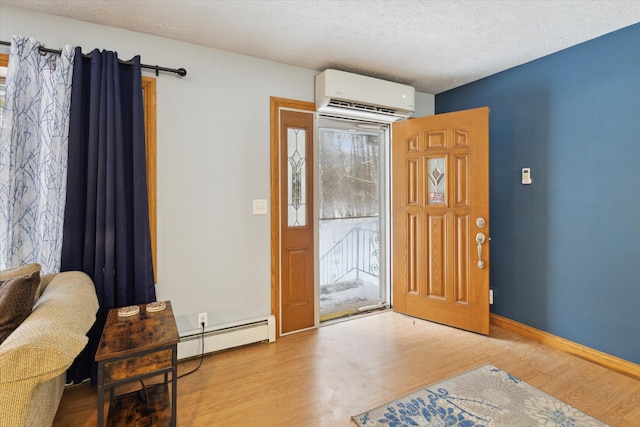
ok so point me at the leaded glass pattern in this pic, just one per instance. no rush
(296, 177)
(437, 181)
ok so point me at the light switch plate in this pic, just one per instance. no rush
(260, 207)
(526, 176)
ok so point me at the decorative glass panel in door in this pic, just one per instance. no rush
(351, 177)
(437, 180)
(296, 177)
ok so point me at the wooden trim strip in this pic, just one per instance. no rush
(275, 212)
(149, 95)
(603, 359)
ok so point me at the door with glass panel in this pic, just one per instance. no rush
(441, 218)
(352, 209)
(297, 296)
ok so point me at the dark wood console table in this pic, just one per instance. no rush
(131, 349)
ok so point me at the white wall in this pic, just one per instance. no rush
(425, 105)
(212, 161)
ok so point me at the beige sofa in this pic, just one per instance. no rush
(35, 357)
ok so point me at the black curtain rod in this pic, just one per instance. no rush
(179, 71)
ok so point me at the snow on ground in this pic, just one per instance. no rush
(345, 294)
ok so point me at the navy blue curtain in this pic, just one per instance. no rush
(106, 225)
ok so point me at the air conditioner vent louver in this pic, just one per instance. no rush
(360, 107)
(338, 103)
(352, 95)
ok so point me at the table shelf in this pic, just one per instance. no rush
(132, 408)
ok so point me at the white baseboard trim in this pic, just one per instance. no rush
(227, 336)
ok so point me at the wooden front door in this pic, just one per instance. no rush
(440, 199)
(297, 299)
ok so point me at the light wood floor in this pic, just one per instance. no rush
(322, 377)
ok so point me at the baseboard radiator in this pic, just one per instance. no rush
(228, 336)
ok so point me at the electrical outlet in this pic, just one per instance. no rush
(202, 319)
(490, 296)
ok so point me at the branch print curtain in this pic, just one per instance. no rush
(106, 227)
(33, 155)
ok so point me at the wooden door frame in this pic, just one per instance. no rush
(276, 105)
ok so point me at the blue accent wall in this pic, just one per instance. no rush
(565, 250)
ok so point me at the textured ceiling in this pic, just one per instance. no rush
(432, 45)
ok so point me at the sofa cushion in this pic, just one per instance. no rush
(44, 282)
(24, 270)
(16, 302)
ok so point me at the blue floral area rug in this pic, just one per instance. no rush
(483, 397)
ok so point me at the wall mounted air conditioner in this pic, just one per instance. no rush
(351, 95)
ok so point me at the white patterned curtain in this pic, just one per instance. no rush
(33, 155)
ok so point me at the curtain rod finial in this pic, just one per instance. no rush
(182, 72)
